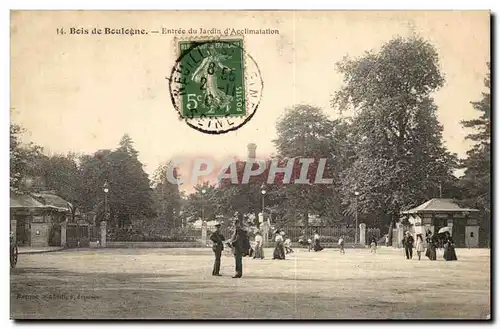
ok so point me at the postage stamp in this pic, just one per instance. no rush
(215, 85)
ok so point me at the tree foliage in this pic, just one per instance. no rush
(306, 132)
(167, 197)
(203, 205)
(400, 158)
(23, 156)
(476, 181)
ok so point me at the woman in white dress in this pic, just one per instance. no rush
(278, 249)
(420, 246)
(317, 246)
(259, 246)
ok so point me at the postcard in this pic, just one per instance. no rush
(250, 165)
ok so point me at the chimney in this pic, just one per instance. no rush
(251, 150)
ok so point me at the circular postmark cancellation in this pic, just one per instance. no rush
(215, 85)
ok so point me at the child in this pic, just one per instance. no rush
(373, 245)
(420, 245)
(288, 245)
(341, 245)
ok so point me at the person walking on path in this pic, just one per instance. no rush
(408, 244)
(237, 242)
(218, 245)
(431, 245)
(420, 247)
(341, 245)
(373, 245)
(449, 248)
(288, 245)
(279, 250)
(259, 246)
(317, 245)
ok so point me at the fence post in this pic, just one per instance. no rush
(204, 233)
(362, 234)
(103, 234)
(63, 233)
(265, 233)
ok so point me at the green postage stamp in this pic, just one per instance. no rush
(215, 85)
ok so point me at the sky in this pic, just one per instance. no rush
(81, 93)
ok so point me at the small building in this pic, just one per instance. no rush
(438, 213)
(35, 218)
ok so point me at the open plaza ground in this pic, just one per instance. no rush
(177, 284)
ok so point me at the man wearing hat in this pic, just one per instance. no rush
(408, 244)
(238, 243)
(218, 245)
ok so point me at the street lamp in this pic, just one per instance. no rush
(106, 191)
(203, 205)
(263, 192)
(356, 193)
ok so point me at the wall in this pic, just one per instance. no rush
(42, 239)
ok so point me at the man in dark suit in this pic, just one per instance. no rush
(237, 242)
(218, 245)
(408, 244)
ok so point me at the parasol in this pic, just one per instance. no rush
(445, 229)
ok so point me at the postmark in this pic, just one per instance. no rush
(215, 85)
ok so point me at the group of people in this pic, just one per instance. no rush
(311, 244)
(241, 247)
(239, 243)
(433, 242)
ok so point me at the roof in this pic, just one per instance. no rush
(38, 201)
(438, 205)
(53, 200)
(24, 201)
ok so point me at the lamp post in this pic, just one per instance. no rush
(203, 205)
(105, 188)
(263, 192)
(356, 193)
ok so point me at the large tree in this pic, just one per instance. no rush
(203, 203)
(477, 178)
(476, 182)
(23, 159)
(306, 132)
(61, 174)
(166, 195)
(129, 194)
(400, 158)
